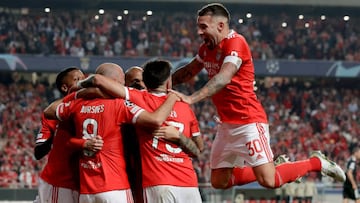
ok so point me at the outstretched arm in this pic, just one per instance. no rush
(185, 73)
(107, 85)
(158, 117)
(215, 84)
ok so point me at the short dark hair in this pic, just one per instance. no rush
(214, 9)
(60, 77)
(136, 85)
(156, 73)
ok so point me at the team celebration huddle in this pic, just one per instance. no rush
(128, 136)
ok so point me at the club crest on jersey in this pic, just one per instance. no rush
(128, 103)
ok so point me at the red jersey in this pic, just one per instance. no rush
(237, 102)
(61, 169)
(48, 128)
(163, 162)
(105, 170)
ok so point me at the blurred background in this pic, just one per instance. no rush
(306, 56)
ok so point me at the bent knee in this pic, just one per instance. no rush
(220, 178)
(220, 184)
(267, 182)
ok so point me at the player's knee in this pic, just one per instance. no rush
(220, 178)
(266, 175)
(267, 182)
(219, 184)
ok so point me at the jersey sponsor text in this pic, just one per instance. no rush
(92, 109)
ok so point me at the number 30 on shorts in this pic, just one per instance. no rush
(254, 146)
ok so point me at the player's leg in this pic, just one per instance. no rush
(187, 194)
(87, 198)
(245, 144)
(160, 193)
(169, 193)
(236, 144)
(267, 174)
(227, 151)
(50, 193)
(220, 177)
(250, 142)
(113, 196)
(273, 177)
(221, 170)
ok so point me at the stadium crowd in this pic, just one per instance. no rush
(303, 115)
(80, 33)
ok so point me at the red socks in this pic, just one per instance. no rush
(285, 173)
(241, 176)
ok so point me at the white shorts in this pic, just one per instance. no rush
(168, 193)
(115, 196)
(240, 145)
(49, 193)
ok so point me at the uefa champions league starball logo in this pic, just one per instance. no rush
(272, 66)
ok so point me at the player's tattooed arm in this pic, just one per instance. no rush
(199, 142)
(215, 84)
(189, 146)
(170, 133)
(185, 73)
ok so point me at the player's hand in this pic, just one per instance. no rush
(167, 132)
(183, 97)
(87, 82)
(94, 144)
(170, 94)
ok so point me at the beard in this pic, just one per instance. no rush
(209, 43)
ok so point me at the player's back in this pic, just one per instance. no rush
(163, 162)
(104, 170)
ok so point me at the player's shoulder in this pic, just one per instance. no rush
(182, 106)
(234, 36)
(133, 92)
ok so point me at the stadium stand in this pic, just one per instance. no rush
(86, 32)
(304, 114)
